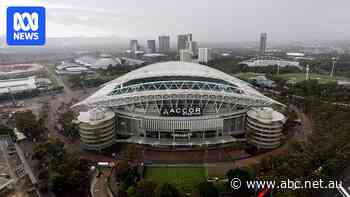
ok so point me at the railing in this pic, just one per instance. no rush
(173, 85)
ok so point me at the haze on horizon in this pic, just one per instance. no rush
(208, 20)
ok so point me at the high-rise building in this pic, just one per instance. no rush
(181, 42)
(193, 47)
(164, 44)
(185, 55)
(263, 39)
(134, 46)
(204, 55)
(151, 45)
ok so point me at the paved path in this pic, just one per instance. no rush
(6, 158)
(98, 186)
(27, 168)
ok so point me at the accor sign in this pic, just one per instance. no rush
(181, 111)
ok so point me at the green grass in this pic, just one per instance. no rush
(298, 77)
(109, 77)
(245, 76)
(184, 178)
(51, 74)
(301, 77)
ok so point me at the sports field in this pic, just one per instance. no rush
(245, 76)
(297, 77)
(184, 178)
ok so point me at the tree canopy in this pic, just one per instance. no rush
(166, 190)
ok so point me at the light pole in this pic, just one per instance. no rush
(334, 60)
(307, 72)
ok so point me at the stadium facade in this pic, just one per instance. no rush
(178, 104)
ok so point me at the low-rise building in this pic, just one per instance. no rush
(132, 62)
(204, 55)
(19, 85)
(262, 81)
(258, 62)
(20, 70)
(154, 57)
(185, 55)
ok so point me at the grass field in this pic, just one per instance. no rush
(301, 77)
(245, 76)
(297, 77)
(51, 73)
(184, 178)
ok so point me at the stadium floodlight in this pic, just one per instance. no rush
(307, 72)
(334, 61)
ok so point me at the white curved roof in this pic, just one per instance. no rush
(105, 62)
(266, 115)
(174, 68)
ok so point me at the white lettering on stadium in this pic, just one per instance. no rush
(187, 111)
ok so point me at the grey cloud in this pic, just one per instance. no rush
(208, 20)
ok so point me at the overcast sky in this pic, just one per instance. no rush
(208, 20)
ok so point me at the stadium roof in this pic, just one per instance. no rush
(173, 68)
(154, 55)
(17, 85)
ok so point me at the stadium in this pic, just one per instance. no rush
(177, 104)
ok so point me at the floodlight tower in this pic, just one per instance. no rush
(12, 97)
(334, 60)
(307, 72)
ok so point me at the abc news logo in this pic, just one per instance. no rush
(26, 26)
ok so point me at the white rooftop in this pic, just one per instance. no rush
(95, 116)
(17, 85)
(154, 55)
(174, 68)
(266, 115)
(19, 68)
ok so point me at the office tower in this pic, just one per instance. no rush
(181, 42)
(204, 55)
(185, 55)
(189, 37)
(134, 46)
(151, 45)
(263, 39)
(164, 44)
(193, 47)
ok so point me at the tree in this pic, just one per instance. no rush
(122, 170)
(243, 175)
(207, 189)
(66, 120)
(48, 152)
(323, 156)
(4, 130)
(127, 174)
(145, 188)
(131, 192)
(27, 123)
(65, 173)
(166, 190)
(130, 152)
